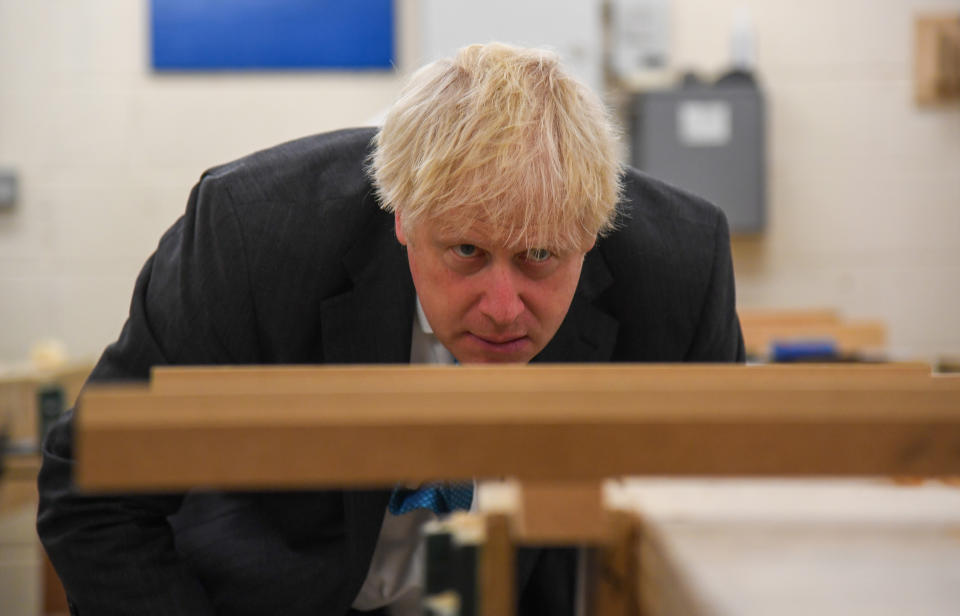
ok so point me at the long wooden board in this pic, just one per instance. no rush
(555, 377)
(136, 438)
(792, 547)
(850, 337)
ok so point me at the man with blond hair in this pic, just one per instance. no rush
(487, 221)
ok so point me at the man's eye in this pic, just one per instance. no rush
(537, 255)
(465, 250)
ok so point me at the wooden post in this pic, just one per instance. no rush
(497, 568)
(614, 579)
(936, 65)
(561, 512)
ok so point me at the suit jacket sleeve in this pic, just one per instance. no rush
(191, 305)
(717, 336)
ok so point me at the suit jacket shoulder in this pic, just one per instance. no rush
(307, 193)
(305, 225)
(330, 165)
(671, 275)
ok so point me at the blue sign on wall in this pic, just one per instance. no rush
(271, 34)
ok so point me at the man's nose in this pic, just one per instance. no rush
(500, 301)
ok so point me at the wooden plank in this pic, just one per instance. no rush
(497, 566)
(945, 381)
(746, 548)
(18, 407)
(787, 316)
(795, 570)
(561, 512)
(849, 337)
(18, 396)
(615, 578)
(556, 377)
(130, 438)
(936, 50)
(18, 483)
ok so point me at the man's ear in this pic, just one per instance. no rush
(398, 228)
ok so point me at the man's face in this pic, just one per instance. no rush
(487, 302)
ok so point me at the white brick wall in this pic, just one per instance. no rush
(107, 151)
(864, 188)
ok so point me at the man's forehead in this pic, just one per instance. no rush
(483, 232)
(506, 223)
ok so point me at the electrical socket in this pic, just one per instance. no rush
(8, 188)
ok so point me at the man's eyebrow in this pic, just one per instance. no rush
(461, 236)
(457, 238)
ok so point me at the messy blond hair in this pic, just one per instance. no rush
(501, 135)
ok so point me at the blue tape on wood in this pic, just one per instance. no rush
(804, 350)
(189, 35)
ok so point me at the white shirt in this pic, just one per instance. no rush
(396, 574)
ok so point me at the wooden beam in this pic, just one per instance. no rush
(787, 316)
(497, 568)
(615, 590)
(936, 65)
(136, 439)
(752, 548)
(554, 377)
(561, 512)
(849, 337)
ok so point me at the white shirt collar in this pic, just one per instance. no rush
(424, 346)
(422, 318)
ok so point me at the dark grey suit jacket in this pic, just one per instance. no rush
(285, 257)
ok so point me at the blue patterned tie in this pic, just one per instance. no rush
(438, 497)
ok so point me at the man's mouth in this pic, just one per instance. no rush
(499, 339)
(501, 344)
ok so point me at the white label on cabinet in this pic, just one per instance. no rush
(704, 123)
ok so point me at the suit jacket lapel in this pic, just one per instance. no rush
(372, 322)
(587, 334)
(363, 511)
